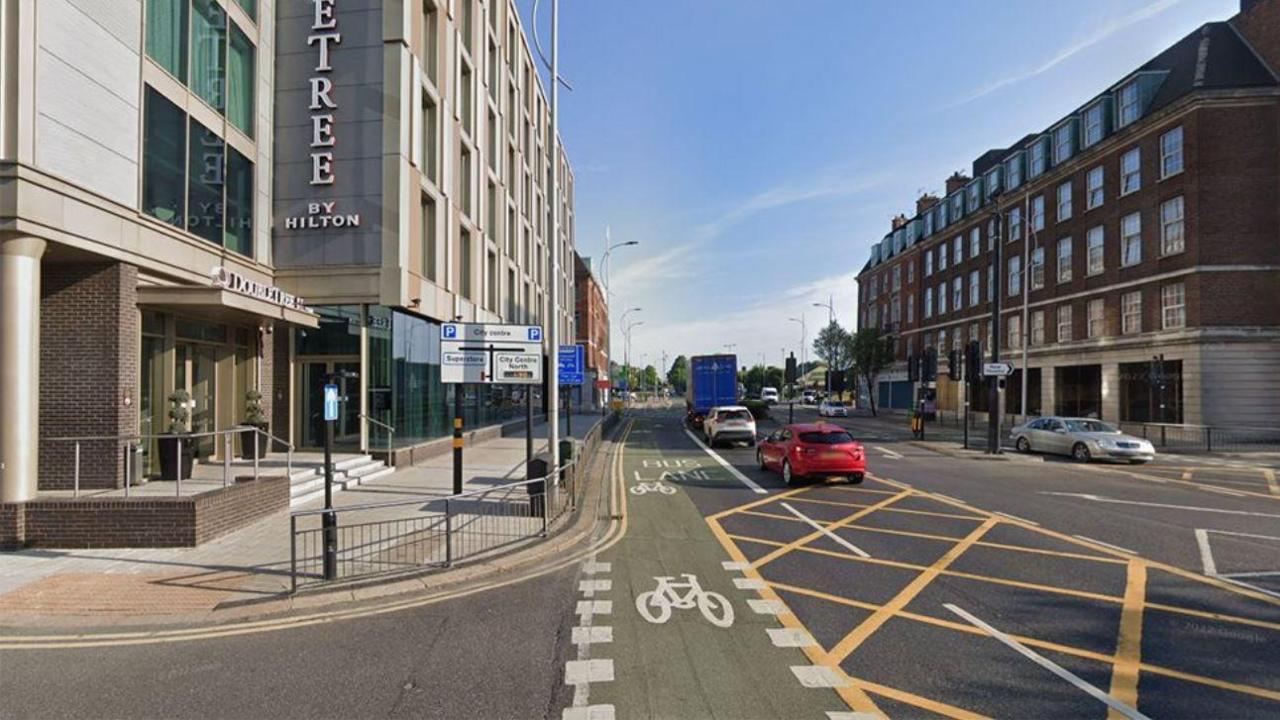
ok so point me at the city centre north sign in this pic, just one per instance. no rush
(490, 353)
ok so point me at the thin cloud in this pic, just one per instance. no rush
(1102, 33)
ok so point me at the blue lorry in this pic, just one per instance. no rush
(713, 381)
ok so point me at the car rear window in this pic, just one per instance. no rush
(734, 415)
(826, 438)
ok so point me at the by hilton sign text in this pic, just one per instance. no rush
(324, 35)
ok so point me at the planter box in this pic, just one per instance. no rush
(168, 450)
(246, 444)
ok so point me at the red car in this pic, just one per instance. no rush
(812, 449)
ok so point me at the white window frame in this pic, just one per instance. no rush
(1037, 268)
(1131, 309)
(1064, 208)
(1131, 240)
(957, 294)
(1015, 223)
(1128, 102)
(928, 263)
(928, 302)
(1014, 334)
(975, 288)
(1037, 213)
(942, 299)
(957, 250)
(1173, 306)
(1064, 262)
(1096, 250)
(1064, 322)
(1062, 151)
(942, 257)
(1015, 275)
(1167, 224)
(1170, 155)
(1095, 195)
(1037, 158)
(1091, 114)
(975, 242)
(1133, 174)
(1037, 328)
(1097, 314)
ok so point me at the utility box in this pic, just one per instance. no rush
(538, 468)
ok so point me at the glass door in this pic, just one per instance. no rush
(346, 432)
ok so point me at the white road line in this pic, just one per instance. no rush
(889, 453)
(590, 712)
(819, 676)
(1049, 665)
(1206, 554)
(1015, 517)
(1104, 544)
(845, 715)
(594, 607)
(591, 568)
(839, 540)
(767, 607)
(1259, 573)
(577, 672)
(725, 464)
(589, 588)
(790, 637)
(733, 566)
(1223, 491)
(1251, 586)
(1096, 498)
(748, 583)
(586, 635)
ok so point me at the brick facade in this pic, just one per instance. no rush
(141, 521)
(89, 355)
(592, 316)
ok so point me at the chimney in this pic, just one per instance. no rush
(957, 181)
(1257, 22)
(925, 202)
(899, 221)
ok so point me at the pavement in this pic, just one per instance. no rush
(710, 589)
(246, 573)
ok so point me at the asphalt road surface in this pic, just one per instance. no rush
(939, 587)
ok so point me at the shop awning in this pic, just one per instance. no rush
(221, 304)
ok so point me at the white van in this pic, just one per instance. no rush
(769, 395)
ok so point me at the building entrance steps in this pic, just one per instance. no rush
(241, 570)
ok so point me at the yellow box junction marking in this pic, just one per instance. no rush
(1124, 672)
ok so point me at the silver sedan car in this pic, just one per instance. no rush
(1084, 439)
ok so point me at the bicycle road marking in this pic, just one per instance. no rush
(755, 487)
(839, 540)
(656, 606)
(1047, 664)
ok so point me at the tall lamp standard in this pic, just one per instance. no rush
(627, 349)
(830, 305)
(997, 265)
(804, 339)
(608, 294)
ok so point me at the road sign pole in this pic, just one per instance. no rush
(997, 267)
(528, 429)
(329, 521)
(457, 439)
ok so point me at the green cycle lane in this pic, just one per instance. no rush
(700, 644)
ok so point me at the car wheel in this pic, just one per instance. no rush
(856, 478)
(787, 477)
(1024, 445)
(1080, 452)
(760, 459)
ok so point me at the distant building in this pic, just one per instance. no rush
(1144, 226)
(591, 318)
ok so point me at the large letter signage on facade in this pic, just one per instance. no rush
(323, 31)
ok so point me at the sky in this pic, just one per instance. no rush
(756, 149)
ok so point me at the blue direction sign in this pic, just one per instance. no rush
(330, 402)
(572, 365)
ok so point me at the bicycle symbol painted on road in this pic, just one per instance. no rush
(645, 488)
(657, 605)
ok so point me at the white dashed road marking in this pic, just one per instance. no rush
(594, 607)
(748, 583)
(790, 637)
(819, 676)
(585, 670)
(589, 588)
(834, 537)
(590, 712)
(832, 715)
(732, 566)
(592, 568)
(767, 607)
(725, 464)
(577, 672)
(592, 634)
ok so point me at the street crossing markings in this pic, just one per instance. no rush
(832, 536)
(755, 487)
(1049, 665)
(591, 634)
(820, 676)
(790, 637)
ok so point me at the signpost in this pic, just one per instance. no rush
(571, 371)
(997, 369)
(490, 354)
(329, 521)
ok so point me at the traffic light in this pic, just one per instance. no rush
(953, 365)
(791, 369)
(929, 372)
(913, 368)
(837, 382)
(973, 361)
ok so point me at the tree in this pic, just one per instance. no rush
(649, 380)
(834, 347)
(872, 352)
(678, 375)
(774, 377)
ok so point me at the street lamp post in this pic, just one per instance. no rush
(627, 350)
(997, 265)
(804, 339)
(608, 294)
(830, 305)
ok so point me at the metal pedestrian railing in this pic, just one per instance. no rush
(1205, 438)
(405, 535)
(389, 429)
(184, 442)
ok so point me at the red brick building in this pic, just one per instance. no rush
(1141, 261)
(591, 318)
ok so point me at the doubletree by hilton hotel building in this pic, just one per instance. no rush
(1144, 230)
(222, 196)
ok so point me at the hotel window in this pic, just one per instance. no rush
(240, 82)
(1093, 125)
(1172, 240)
(1014, 338)
(1130, 239)
(1037, 327)
(491, 274)
(208, 51)
(1064, 260)
(1037, 159)
(205, 168)
(1015, 224)
(1094, 194)
(1131, 312)
(430, 139)
(928, 302)
(1037, 268)
(464, 181)
(167, 35)
(464, 263)
(429, 238)
(975, 242)
(1130, 171)
(511, 231)
(957, 294)
(164, 163)
(491, 197)
(238, 235)
(1173, 306)
(1095, 240)
(1037, 213)
(431, 40)
(467, 87)
(1064, 323)
(494, 141)
(1015, 275)
(1097, 318)
(1064, 201)
(942, 299)
(1013, 170)
(1171, 153)
(957, 250)
(974, 288)
(1063, 146)
(1127, 112)
(942, 257)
